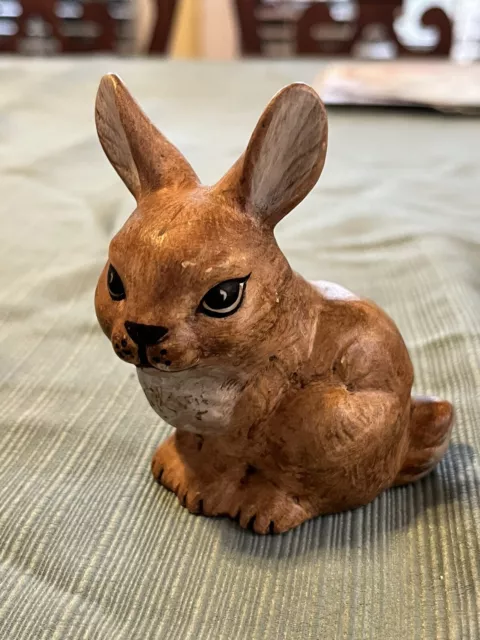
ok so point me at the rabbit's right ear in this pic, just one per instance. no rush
(143, 158)
(284, 158)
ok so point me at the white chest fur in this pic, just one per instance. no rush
(195, 400)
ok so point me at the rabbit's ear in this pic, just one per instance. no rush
(284, 158)
(143, 158)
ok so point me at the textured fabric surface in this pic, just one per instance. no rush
(90, 546)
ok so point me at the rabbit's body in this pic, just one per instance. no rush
(237, 450)
(289, 398)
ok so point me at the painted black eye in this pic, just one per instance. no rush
(224, 298)
(115, 285)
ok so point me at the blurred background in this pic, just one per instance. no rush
(231, 28)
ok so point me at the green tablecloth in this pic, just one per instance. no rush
(90, 546)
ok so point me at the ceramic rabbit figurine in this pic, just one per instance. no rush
(290, 399)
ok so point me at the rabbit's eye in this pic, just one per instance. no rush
(115, 284)
(224, 298)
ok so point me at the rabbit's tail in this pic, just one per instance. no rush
(431, 423)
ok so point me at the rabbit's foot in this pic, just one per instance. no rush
(262, 508)
(239, 492)
(268, 509)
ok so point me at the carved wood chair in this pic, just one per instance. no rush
(77, 26)
(318, 28)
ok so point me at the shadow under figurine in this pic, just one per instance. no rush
(290, 399)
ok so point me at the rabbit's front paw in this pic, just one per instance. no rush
(272, 511)
(169, 470)
(263, 508)
(239, 492)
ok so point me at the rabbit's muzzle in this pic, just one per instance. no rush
(153, 346)
(145, 335)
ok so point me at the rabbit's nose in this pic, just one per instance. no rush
(145, 334)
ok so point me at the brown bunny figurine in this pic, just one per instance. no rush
(290, 399)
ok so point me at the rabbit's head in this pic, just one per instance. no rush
(195, 275)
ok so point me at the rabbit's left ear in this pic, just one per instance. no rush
(284, 158)
(143, 157)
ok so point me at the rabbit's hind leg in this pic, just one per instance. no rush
(430, 428)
